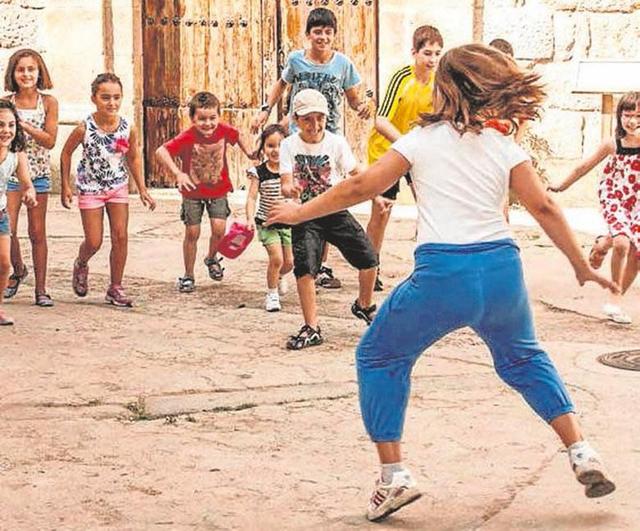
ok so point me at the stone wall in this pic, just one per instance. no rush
(552, 35)
(68, 34)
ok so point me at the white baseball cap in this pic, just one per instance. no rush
(309, 100)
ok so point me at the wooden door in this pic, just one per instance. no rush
(356, 38)
(195, 45)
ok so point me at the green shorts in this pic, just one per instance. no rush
(192, 209)
(269, 236)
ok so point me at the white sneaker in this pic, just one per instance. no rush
(589, 470)
(388, 498)
(616, 314)
(272, 302)
(283, 286)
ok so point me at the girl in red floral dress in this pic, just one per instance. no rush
(619, 194)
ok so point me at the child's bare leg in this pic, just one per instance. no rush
(631, 271)
(366, 282)
(621, 247)
(118, 221)
(190, 248)
(38, 236)
(567, 428)
(14, 202)
(92, 223)
(287, 260)
(5, 266)
(599, 250)
(389, 452)
(275, 265)
(307, 294)
(377, 225)
(218, 227)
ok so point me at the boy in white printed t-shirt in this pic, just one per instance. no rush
(311, 160)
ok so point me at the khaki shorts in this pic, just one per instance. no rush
(192, 209)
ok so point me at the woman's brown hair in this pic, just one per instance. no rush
(44, 79)
(18, 142)
(629, 102)
(475, 83)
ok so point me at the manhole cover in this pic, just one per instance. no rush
(626, 359)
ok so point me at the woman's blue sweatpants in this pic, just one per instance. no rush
(479, 285)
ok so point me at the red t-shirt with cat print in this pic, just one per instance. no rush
(204, 159)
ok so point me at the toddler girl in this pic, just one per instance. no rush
(265, 180)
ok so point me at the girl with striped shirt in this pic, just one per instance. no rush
(265, 181)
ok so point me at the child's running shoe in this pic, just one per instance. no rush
(589, 470)
(80, 281)
(272, 302)
(325, 279)
(306, 337)
(116, 296)
(186, 284)
(216, 271)
(386, 499)
(366, 314)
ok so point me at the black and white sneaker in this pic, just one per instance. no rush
(306, 337)
(325, 279)
(378, 286)
(366, 314)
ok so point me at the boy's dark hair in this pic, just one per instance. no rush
(503, 45)
(266, 133)
(425, 35)
(105, 77)
(321, 17)
(44, 79)
(629, 102)
(18, 142)
(203, 100)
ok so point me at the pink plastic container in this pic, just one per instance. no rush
(236, 240)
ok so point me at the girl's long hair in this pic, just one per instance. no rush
(18, 142)
(266, 133)
(44, 79)
(475, 83)
(629, 102)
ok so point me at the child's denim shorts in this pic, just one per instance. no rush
(4, 223)
(42, 185)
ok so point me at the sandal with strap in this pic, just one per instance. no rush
(597, 254)
(44, 300)
(366, 314)
(10, 291)
(306, 337)
(4, 320)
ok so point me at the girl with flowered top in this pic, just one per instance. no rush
(26, 76)
(619, 194)
(109, 154)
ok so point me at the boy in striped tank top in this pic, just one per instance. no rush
(265, 180)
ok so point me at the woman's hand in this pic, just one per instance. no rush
(147, 200)
(29, 197)
(588, 274)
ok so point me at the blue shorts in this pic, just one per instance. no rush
(479, 285)
(41, 184)
(4, 223)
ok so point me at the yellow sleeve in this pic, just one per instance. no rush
(389, 105)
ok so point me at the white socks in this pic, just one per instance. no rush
(388, 470)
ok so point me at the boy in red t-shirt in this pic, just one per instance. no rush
(203, 180)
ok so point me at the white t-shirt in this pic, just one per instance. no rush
(460, 182)
(316, 167)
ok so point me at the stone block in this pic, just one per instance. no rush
(572, 35)
(18, 27)
(598, 6)
(560, 81)
(592, 133)
(615, 36)
(564, 132)
(529, 29)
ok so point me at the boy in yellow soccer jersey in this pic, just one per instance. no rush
(409, 93)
